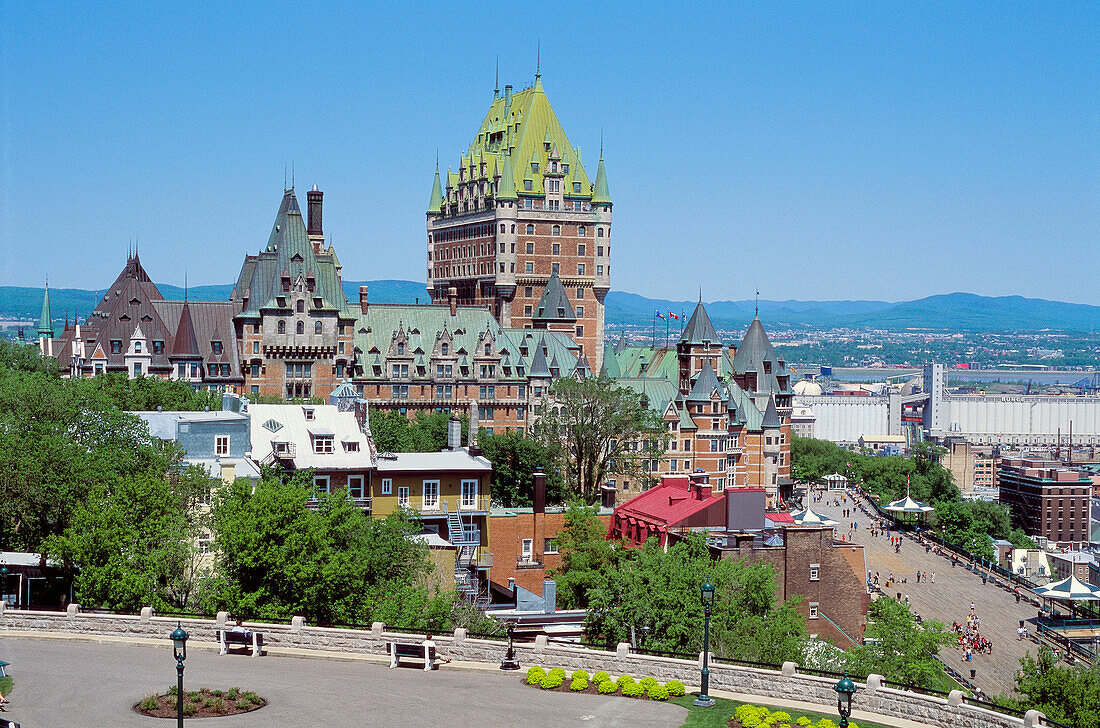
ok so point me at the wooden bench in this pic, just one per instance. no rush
(398, 650)
(255, 640)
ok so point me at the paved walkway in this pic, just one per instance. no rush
(947, 600)
(86, 684)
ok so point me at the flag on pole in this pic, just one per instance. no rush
(657, 314)
(672, 315)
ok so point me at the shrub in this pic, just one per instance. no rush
(600, 677)
(607, 688)
(149, 703)
(827, 723)
(207, 702)
(750, 711)
(217, 693)
(243, 705)
(171, 690)
(253, 698)
(188, 708)
(559, 672)
(647, 682)
(535, 675)
(551, 681)
(579, 673)
(233, 693)
(194, 695)
(625, 680)
(578, 684)
(657, 692)
(780, 717)
(218, 705)
(804, 721)
(633, 690)
(675, 688)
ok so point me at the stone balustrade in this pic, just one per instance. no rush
(785, 684)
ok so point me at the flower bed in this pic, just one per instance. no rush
(601, 684)
(201, 703)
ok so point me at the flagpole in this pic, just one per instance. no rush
(654, 328)
(666, 332)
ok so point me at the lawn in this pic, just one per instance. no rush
(719, 715)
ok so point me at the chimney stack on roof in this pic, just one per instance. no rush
(454, 433)
(363, 300)
(540, 492)
(313, 220)
(452, 300)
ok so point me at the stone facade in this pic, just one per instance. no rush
(871, 699)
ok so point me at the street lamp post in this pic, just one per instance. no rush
(704, 700)
(179, 649)
(4, 581)
(510, 662)
(845, 689)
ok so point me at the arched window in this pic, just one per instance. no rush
(513, 227)
(317, 327)
(530, 229)
(502, 227)
(300, 327)
(599, 232)
(301, 306)
(282, 327)
(556, 230)
(443, 349)
(582, 231)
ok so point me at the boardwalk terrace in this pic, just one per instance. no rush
(1046, 500)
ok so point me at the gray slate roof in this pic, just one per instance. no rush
(699, 328)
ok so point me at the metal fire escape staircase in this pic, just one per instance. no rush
(468, 543)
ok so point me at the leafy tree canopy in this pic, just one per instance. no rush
(1069, 695)
(898, 648)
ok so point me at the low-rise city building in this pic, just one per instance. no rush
(1046, 500)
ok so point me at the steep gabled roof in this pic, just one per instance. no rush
(600, 195)
(756, 354)
(554, 304)
(539, 368)
(435, 204)
(699, 328)
(45, 321)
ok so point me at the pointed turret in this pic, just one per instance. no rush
(507, 187)
(185, 345)
(600, 194)
(705, 384)
(771, 416)
(539, 368)
(699, 328)
(45, 322)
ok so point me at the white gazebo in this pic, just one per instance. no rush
(836, 481)
(1070, 589)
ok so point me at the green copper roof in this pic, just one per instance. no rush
(435, 204)
(699, 328)
(771, 416)
(600, 195)
(519, 130)
(554, 304)
(45, 322)
(705, 384)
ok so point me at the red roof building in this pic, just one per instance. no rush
(677, 502)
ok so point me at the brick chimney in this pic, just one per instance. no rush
(452, 300)
(363, 300)
(313, 202)
(538, 516)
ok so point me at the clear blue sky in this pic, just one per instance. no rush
(813, 150)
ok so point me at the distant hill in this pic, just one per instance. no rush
(949, 312)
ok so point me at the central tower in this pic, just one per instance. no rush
(520, 209)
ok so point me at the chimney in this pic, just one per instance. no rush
(228, 472)
(452, 300)
(507, 97)
(454, 433)
(471, 434)
(540, 492)
(313, 202)
(363, 300)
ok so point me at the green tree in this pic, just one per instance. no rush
(654, 598)
(145, 394)
(587, 556)
(599, 429)
(1068, 695)
(426, 432)
(133, 543)
(516, 458)
(898, 648)
(331, 564)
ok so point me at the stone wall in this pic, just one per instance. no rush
(787, 684)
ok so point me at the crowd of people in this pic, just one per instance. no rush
(971, 640)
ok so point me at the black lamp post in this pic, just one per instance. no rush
(845, 689)
(510, 662)
(179, 649)
(4, 581)
(704, 700)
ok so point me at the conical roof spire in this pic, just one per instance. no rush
(600, 193)
(699, 328)
(771, 415)
(435, 204)
(185, 343)
(554, 304)
(45, 321)
(705, 384)
(507, 186)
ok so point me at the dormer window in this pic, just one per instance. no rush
(528, 186)
(300, 306)
(323, 444)
(137, 347)
(309, 413)
(535, 167)
(216, 347)
(351, 447)
(443, 349)
(158, 347)
(116, 346)
(400, 348)
(488, 349)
